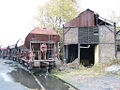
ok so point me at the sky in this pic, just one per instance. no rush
(16, 16)
(16, 19)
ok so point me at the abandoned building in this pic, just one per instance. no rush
(39, 36)
(118, 40)
(90, 38)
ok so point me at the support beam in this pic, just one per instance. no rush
(115, 40)
(30, 45)
(63, 47)
(78, 53)
(66, 52)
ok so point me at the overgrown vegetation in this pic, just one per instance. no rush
(96, 70)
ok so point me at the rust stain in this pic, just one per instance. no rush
(84, 19)
(41, 34)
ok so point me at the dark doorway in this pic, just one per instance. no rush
(87, 55)
(71, 52)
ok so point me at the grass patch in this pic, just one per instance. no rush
(96, 70)
(79, 73)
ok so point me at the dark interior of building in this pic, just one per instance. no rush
(86, 54)
(73, 52)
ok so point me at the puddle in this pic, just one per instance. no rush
(7, 77)
(51, 83)
(8, 62)
(24, 78)
(19, 75)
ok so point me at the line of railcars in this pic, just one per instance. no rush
(40, 49)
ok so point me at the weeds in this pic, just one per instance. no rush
(93, 71)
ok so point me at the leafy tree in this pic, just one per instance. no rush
(56, 12)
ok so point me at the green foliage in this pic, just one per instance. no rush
(56, 12)
(117, 28)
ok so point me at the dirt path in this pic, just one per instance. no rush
(88, 82)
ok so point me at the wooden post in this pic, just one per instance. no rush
(45, 55)
(115, 40)
(40, 52)
(30, 45)
(78, 53)
(63, 46)
(54, 50)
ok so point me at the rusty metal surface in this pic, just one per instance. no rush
(45, 31)
(41, 35)
(85, 19)
(73, 23)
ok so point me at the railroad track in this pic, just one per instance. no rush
(38, 82)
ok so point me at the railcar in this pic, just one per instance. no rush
(42, 46)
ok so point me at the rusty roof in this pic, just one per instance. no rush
(87, 18)
(46, 31)
(84, 19)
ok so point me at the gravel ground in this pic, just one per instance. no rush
(107, 82)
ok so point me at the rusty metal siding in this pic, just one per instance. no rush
(85, 19)
(73, 23)
(40, 37)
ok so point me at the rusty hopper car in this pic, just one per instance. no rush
(42, 44)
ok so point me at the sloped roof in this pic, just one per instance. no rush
(118, 32)
(47, 31)
(87, 18)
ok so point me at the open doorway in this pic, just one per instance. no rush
(71, 52)
(87, 54)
